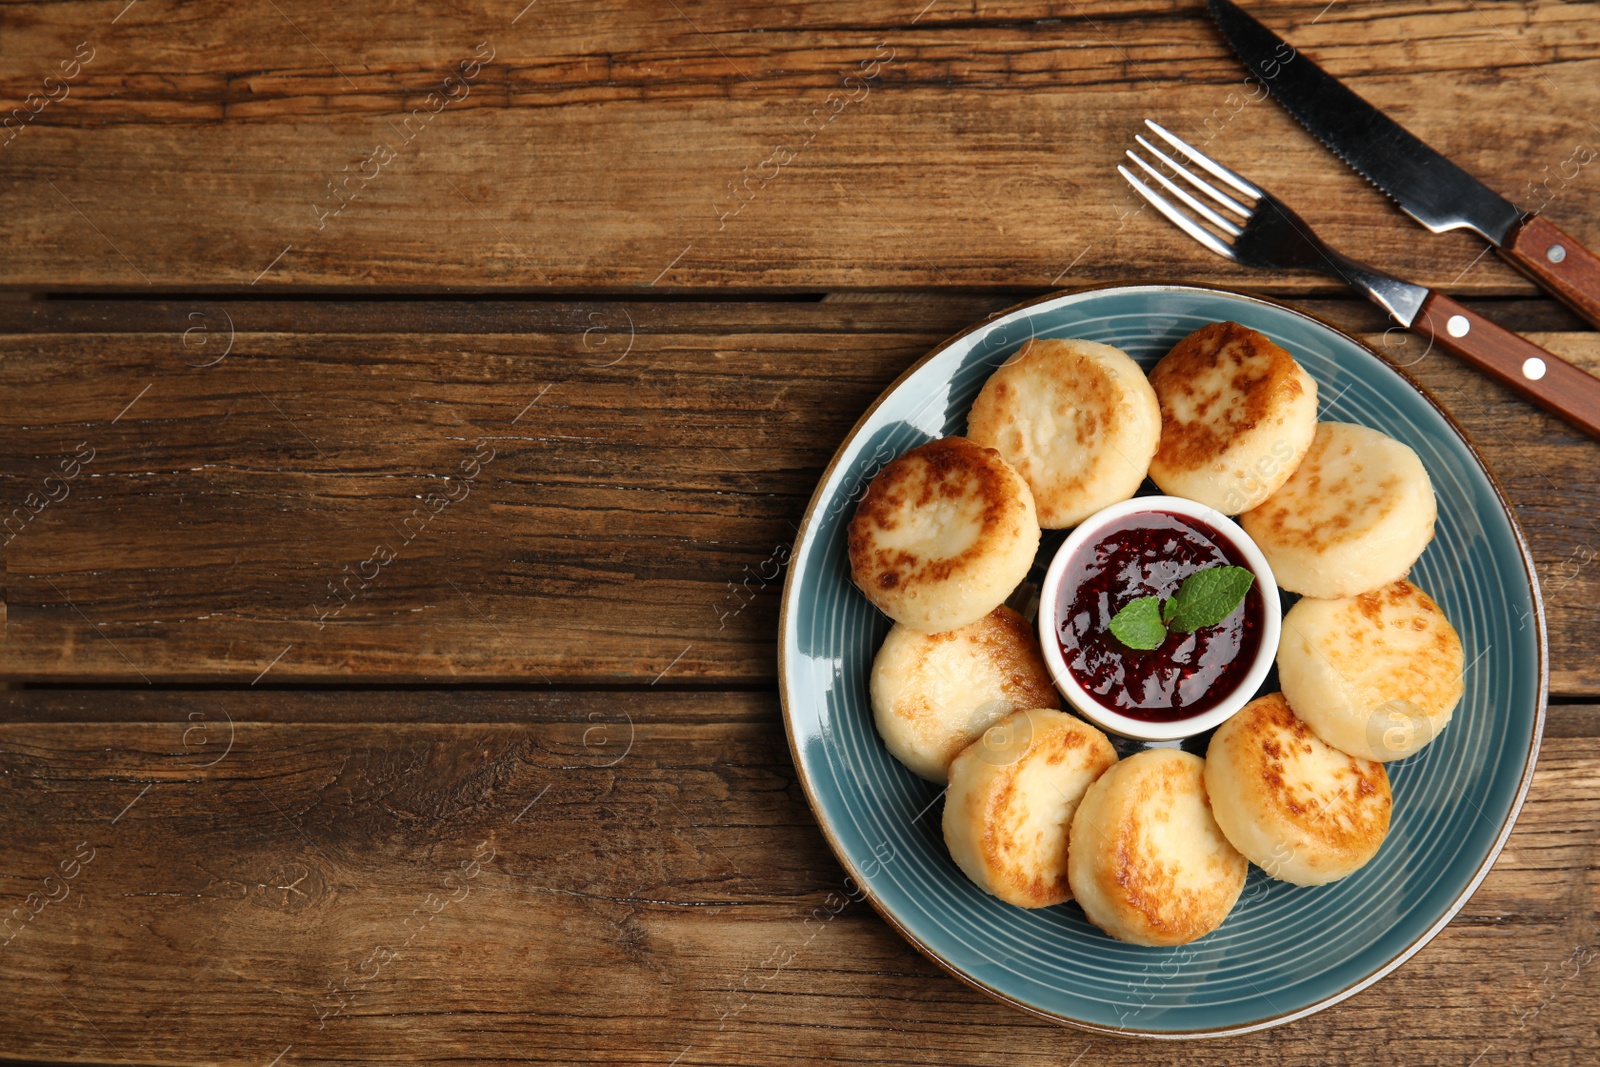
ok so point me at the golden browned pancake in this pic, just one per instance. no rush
(1078, 421)
(1237, 416)
(1012, 796)
(1377, 675)
(1146, 859)
(943, 535)
(1298, 808)
(934, 694)
(1354, 516)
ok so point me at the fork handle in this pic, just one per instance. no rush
(1558, 262)
(1518, 364)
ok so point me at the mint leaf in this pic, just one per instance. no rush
(1169, 609)
(1207, 597)
(1138, 624)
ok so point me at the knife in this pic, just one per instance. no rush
(1425, 184)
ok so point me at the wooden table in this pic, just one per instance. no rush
(407, 410)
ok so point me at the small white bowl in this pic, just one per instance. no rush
(1110, 719)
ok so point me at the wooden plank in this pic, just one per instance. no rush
(815, 145)
(310, 894)
(650, 464)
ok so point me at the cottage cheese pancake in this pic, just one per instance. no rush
(1377, 675)
(1237, 416)
(934, 694)
(1354, 516)
(1298, 808)
(1013, 793)
(1077, 419)
(1146, 858)
(943, 535)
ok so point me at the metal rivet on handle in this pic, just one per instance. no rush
(1555, 253)
(1458, 326)
(1533, 368)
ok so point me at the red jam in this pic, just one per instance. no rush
(1150, 554)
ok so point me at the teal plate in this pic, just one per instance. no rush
(1285, 951)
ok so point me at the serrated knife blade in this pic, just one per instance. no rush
(1426, 185)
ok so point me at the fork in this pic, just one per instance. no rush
(1268, 234)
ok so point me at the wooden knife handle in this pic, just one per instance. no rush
(1558, 262)
(1519, 364)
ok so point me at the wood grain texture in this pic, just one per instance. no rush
(303, 896)
(651, 463)
(594, 485)
(802, 146)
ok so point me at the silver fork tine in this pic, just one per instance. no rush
(1220, 222)
(1177, 217)
(1195, 180)
(1217, 169)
